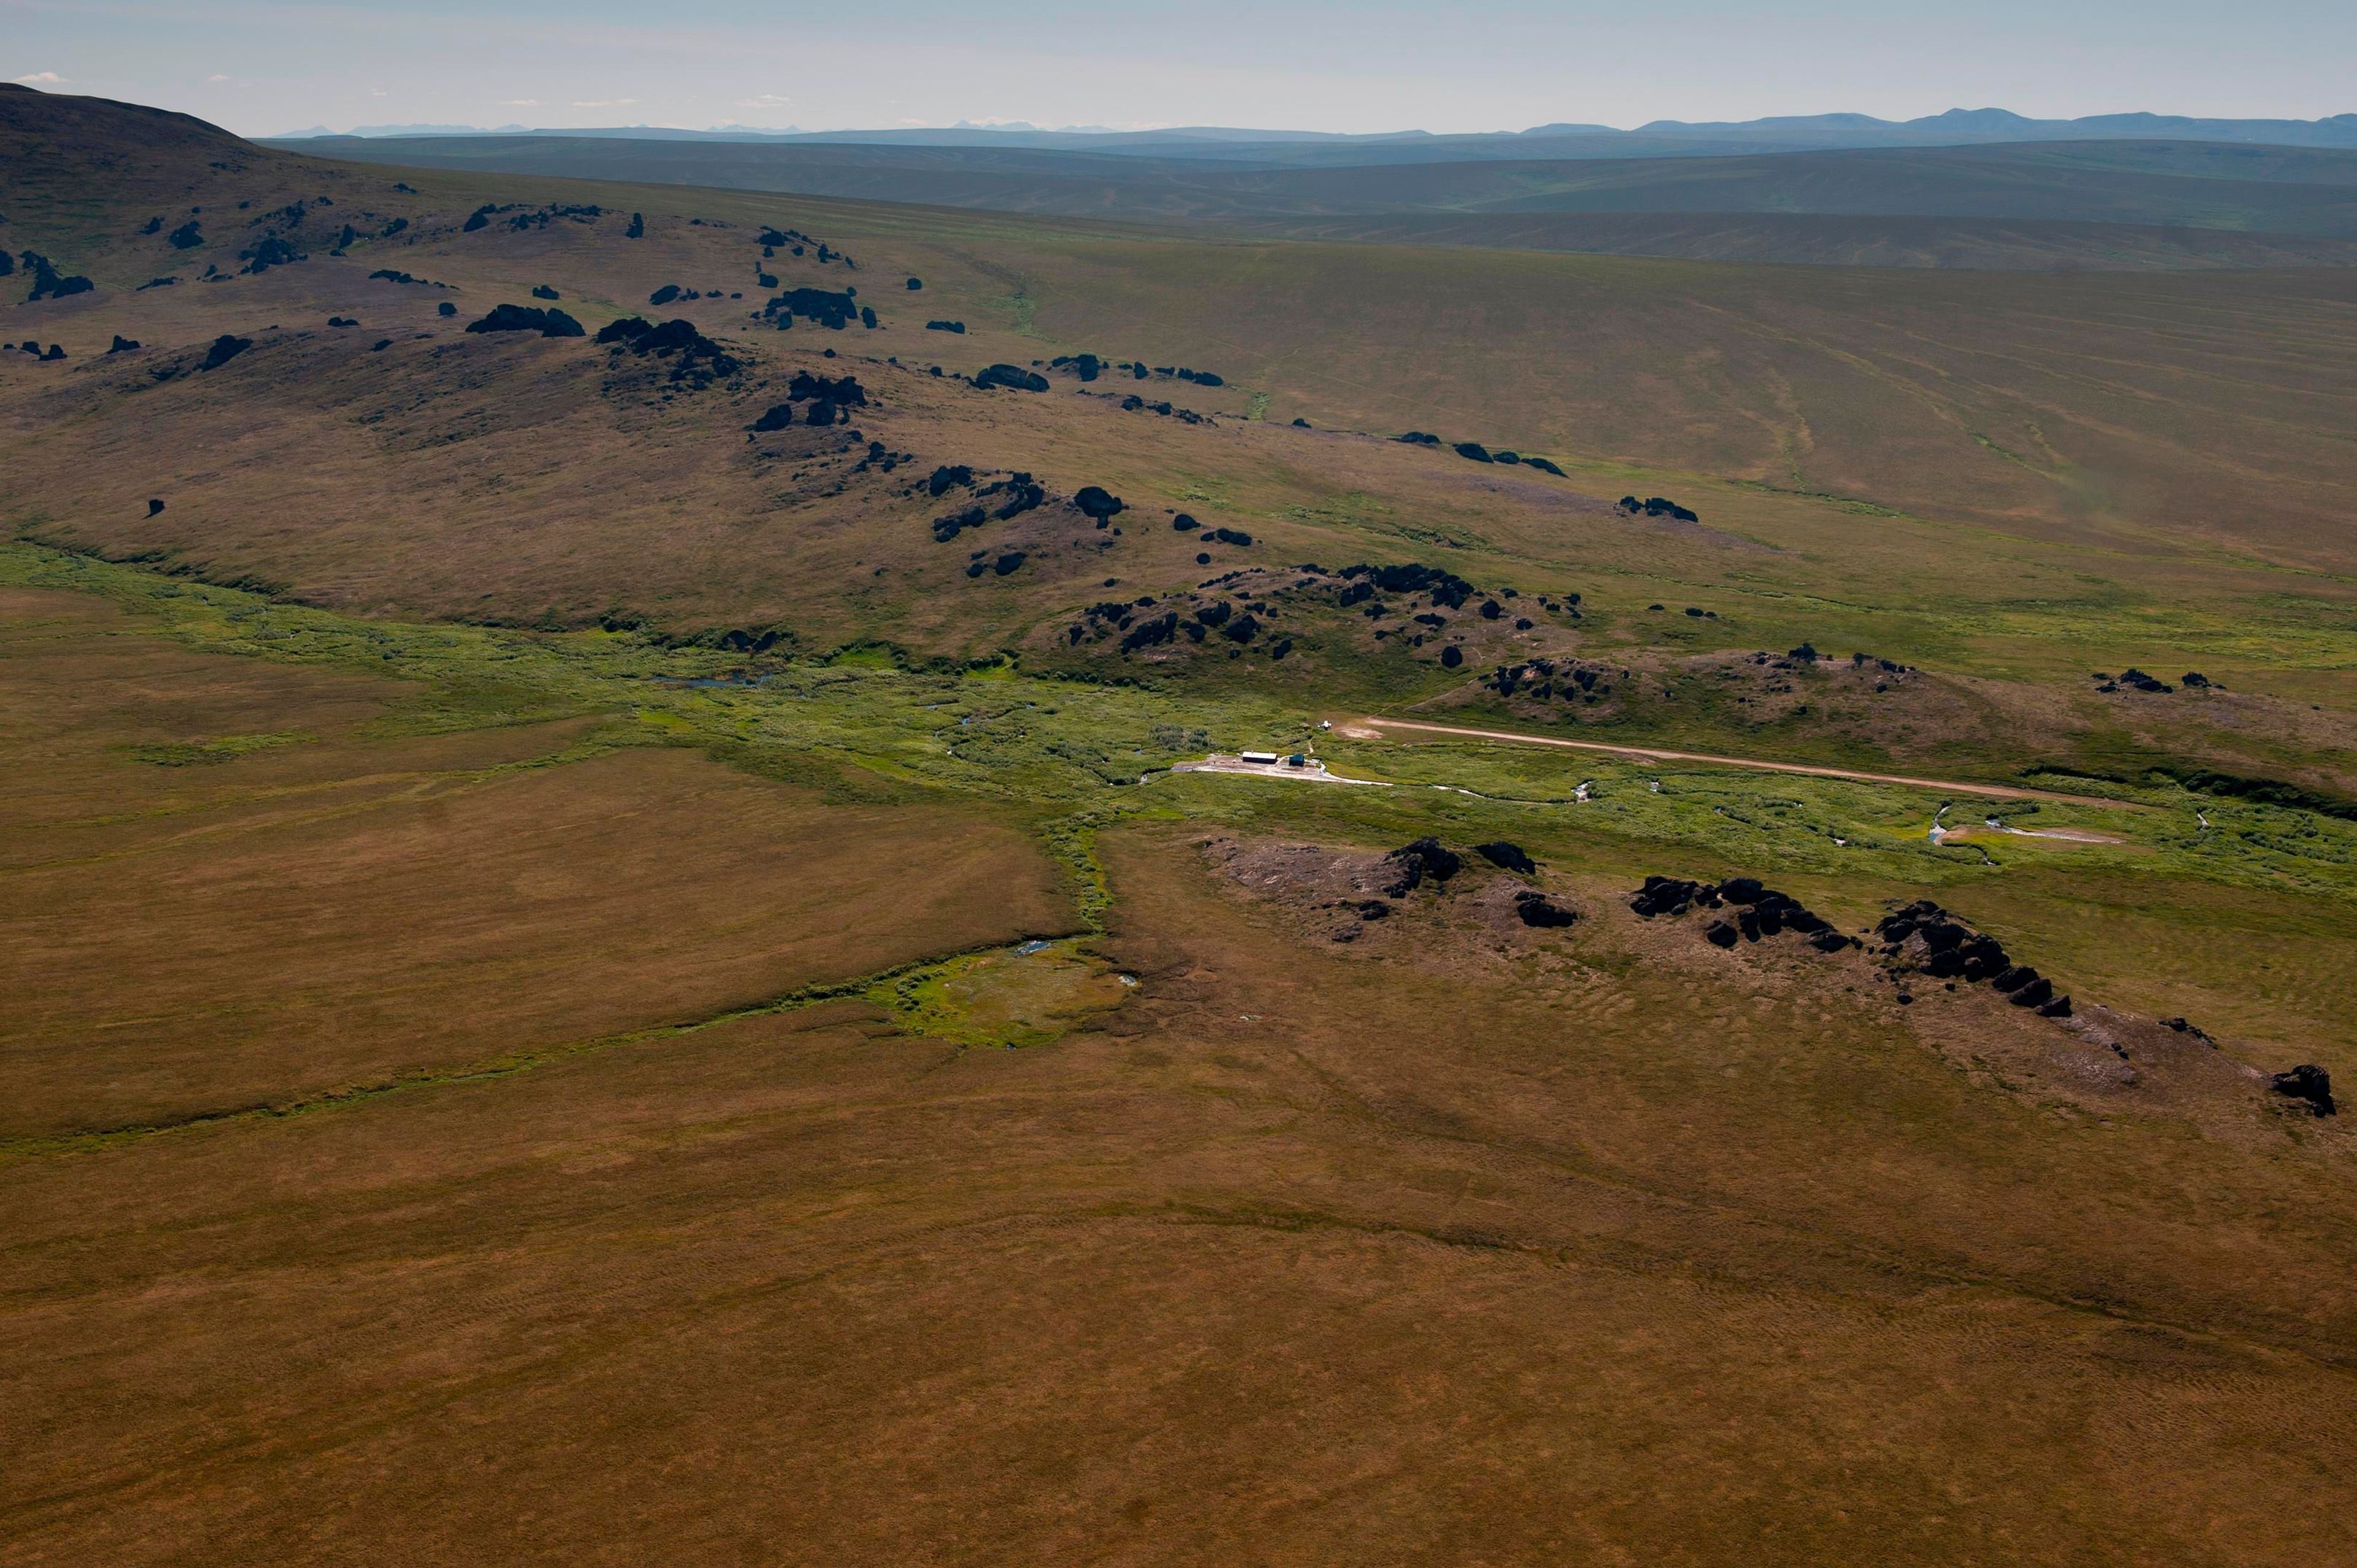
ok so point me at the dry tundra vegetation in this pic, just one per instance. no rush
(598, 973)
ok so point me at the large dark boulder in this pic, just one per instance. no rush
(1475, 450)
(225, 347)
(948, 527)
(845, 390)
(49, 284)
(1096, 501)
(665, 295)
(2307, 1082)
(1147, 633)
(1411, 865)
(828, 308)
(1022, 494)
(948, 475)
(2035, 993)
(2013, 978)
(1535, 908)
(1719, 934)
(187, 236)
(1014, 376)
(1507, 856)
(528, 318)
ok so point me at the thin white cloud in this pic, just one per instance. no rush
(764, 100)
(218, 75)
(519, 102)
(42, 79)
(603, 102)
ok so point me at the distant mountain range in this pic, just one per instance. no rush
(1802, 133)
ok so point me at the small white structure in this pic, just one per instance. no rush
(1261, 757)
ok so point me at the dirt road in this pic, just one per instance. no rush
(1651, 753)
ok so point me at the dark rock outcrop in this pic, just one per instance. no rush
(826, 307)
(1412, 864)
(1656, 506)
(528, 318)
(1533, 907)
(1014, 376)
(1507, 856)
(1096, 502)
(1475, 450)
(958, 327)
(49, 284)
(225, 347)
(2307, 1082)
(695, 359)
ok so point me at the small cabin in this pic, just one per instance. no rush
(1259, 756)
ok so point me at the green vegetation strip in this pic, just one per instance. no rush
(1076, 757)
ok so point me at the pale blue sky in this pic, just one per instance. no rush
(263, 66)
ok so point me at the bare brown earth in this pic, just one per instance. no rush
(333, 909)
(1660, 1255)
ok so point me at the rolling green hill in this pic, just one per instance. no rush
(2249, 206)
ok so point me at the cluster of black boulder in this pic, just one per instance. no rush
(831, 400)
(1218, 618)
(2137, 679)
(1428, 860)
(1021, 492)
(1542, 680)
(957, 327)
(34, 349)
(1133, 402)
(829, 308)
(1952, 950)
(1474, 451)
(1656, 506)
(794, 241)
(1444, 586)
(390, 275)
(1478, 452)
(1760, 911)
